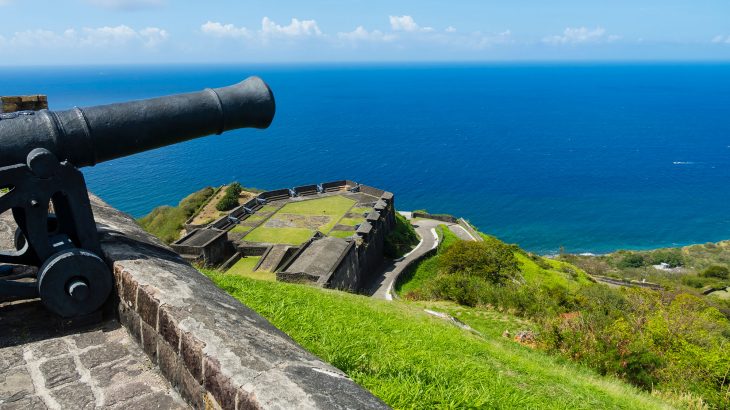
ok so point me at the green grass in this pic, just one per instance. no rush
(546, 272)
(427, 269)
(412, 360)
(240, 229)
(287, 236)
(351, 221)
(256, 217)
(341, 234)
(360, 210)
(166, 222)
(333, 207)
(245, 267)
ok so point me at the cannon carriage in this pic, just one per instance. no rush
(40, 156)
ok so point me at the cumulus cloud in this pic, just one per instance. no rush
(217, 29)
(125, 4)
(406, 23)
(581, 35)
(297, 28)
(721, 40)
(98, 37)
(361, 34)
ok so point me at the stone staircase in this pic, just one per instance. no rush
(273, 258)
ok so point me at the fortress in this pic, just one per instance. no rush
(330, 234)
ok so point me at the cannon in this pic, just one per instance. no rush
(40, 182)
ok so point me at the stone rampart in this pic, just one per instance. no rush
(23, 103)
(437, 217)
(215, 351)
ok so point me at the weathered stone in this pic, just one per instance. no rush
(131, 321)
(10, 357)
(104, 354)
(127, 392)
(191, 351)
(15, 384)
(88, 339)
(28, 403)
(169, 329)
(147, 307)
(154, 401)
(49, 348)
(78, 396)
(128, 290)
(219, 385)
(59, 371)
(117, 373)
(149, 341)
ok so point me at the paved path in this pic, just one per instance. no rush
(382, 287)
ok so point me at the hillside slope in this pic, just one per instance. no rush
(413, 360)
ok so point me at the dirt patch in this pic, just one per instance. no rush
(297, 221)
(209, 214)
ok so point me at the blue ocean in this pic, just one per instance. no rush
(589, 157)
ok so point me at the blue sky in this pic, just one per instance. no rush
(226, 31)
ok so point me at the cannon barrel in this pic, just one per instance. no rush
(87, 136)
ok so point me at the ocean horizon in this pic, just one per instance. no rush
(588, 157)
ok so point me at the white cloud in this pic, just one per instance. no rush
(450, 29)
(406, 23)
(126, 4)
(581, 35)
(216, 29)
(297, 28)
(98, 37)
(721, 40)
(361, 34)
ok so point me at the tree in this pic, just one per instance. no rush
(716, 271)
(490, 259)
(230, 197)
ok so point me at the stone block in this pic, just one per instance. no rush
(149, 341)
(128, 289)
(131, 321)
(191, 351)
(168, 328)
(107, 353)
(220, 386)
(78, 396)
(147, 307)
(59, 371)
(15, 384)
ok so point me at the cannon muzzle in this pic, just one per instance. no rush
(87, 136)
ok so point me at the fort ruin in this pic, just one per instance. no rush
(330, 234)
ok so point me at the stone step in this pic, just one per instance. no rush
(273, 258)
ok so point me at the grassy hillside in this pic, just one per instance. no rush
(675, 343)
(413, 360)
(533, 269)
(166, 222)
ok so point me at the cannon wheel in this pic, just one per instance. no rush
(74, 283)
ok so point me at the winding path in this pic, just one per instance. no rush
(382, 287)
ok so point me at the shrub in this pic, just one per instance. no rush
(672, 257)
(633, 260)
(230, 197)
(401, 239)
(490, 259)
(166, 222)
(716, 271)
(693, 281)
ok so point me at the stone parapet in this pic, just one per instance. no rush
(215, 351)
(23, 103)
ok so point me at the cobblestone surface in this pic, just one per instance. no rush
(43, 366)
(100, 367)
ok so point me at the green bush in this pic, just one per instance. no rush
(230, 197)
(672, 257)
(716, 271)
(166, 222)
(633, 260)
(693, 281)
(401, 239)
(491, 259)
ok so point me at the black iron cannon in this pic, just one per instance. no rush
(40, 153)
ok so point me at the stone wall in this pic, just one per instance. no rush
(23, 103)
(215, 351)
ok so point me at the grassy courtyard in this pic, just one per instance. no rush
(296, 222)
